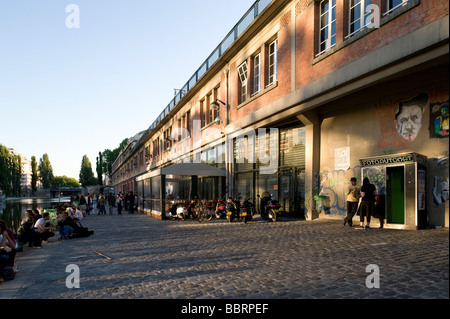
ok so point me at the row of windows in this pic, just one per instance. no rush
(255, 72)
(207, 113)
(359, 17)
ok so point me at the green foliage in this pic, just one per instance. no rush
(64, 181)
(86, 173)
(10, 172)
(45, 171)
(5, 174)
(34, 174)
(110, 156)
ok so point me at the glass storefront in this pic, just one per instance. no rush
(277, 167)
(147, 194)
(178, 187)
(155, 202)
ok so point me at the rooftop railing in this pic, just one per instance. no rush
(230, 38)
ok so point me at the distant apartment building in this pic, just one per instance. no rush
(298, 98)
(25, 181)
(25, 178)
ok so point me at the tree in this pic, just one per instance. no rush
(45, 171)
(10, 172)
(64, 181)
(5, 172)
(99, 169)
(86, 173)
(34, 174)
(16, 173)
(110, 156)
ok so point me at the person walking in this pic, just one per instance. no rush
(101, 204)
(111, 202)
(119, 204)
(94, 204)
(366, 208)
(88, 204)
(131, 204)
(353, 195)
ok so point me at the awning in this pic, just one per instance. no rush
(185, 169)
(192, 169)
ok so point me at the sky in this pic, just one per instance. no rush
(71, 91)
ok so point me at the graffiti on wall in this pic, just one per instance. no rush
(440, 189)
(377, 176)
(333, 185)
(439, 121)
(385, 113)
(401, 120)
(408, 118)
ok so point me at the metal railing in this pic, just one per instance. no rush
(254, 11)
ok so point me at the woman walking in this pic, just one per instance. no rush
(367, 202)
(94, 204)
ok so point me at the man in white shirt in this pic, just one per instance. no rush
(45, 230)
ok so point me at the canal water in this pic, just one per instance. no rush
(14, 211)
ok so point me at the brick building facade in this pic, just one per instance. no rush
(298, 98)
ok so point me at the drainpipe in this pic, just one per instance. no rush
(228, 184)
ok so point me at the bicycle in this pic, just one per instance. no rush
(203, 212)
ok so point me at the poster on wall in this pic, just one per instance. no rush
(377, 176)
(439, 122)
(421, 178)
(342, 158)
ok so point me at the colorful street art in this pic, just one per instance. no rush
(333, 185)
(401, 121)
(439, 121)
(440, 189)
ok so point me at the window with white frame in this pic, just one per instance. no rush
(215, 94)
(242, 69)
(273, 49)
(327, 35)
(393, 5)
(203, 113)
(168, 139)
(257, 73)
(210, 115)
(184, 126)
(156, 147)
(358, 15)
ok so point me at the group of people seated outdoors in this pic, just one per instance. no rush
(36, 229)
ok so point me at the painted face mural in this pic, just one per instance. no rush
(409, 117)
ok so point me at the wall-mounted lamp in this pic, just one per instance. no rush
(215, 106)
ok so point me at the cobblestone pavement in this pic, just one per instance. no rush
(217, 260)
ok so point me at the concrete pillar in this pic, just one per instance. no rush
(312, 123)
(163, 197)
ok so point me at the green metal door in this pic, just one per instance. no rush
(395, 192)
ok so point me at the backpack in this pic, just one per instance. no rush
(81, 231)
(8, 273)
